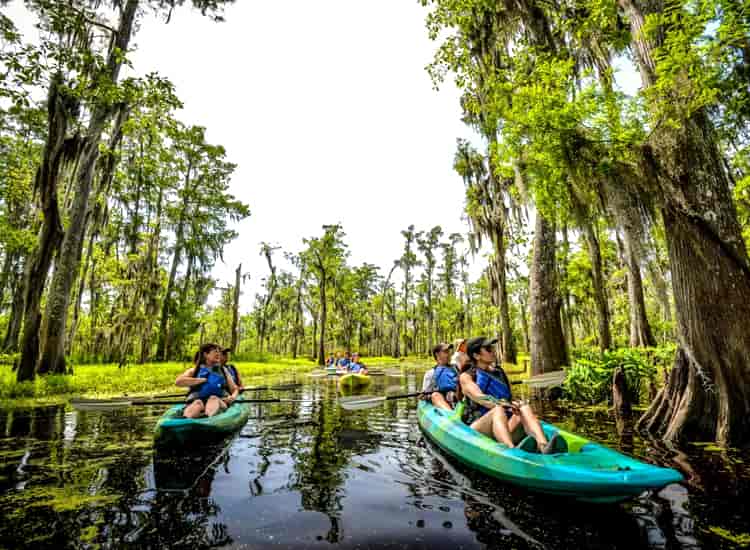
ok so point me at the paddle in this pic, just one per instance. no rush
(107, 404)
(280, 387)
(361, 402)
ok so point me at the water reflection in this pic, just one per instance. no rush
(310, 475)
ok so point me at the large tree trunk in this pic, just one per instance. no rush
(68, 262)
(548, 351)
(708, 394)
(58, 113)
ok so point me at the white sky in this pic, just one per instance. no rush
(328, 112)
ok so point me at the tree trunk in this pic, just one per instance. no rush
(68, 262)
(708, 395)
(236, 310)
(640, 329)
(50, 235)
(10, 343)
(570, 337)
(600, 293)
(620, 394)
(548, 350)
(323, 320)
(499, 289)
(8, 262)
(167, 304)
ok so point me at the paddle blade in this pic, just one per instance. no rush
(546, 380)
(99, 404)
(360, 402)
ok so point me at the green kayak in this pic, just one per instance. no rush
(588, 471)
(173, 428)
(353, 381)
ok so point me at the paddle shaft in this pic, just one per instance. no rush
(280, 387)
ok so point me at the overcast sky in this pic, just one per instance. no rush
(329, 114)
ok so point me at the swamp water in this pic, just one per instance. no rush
(311, 475)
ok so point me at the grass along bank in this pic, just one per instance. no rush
(150, 378)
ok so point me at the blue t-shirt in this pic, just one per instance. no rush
(344, 362)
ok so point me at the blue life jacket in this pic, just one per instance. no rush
(355, 367)
(495, 384)
(344, 362)
(445, 378)
(215, 383)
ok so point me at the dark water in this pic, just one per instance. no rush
(310, 475)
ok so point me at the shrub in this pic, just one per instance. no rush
(589, 379)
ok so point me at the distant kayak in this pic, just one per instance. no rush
(173, 428)
(588, 471)
(353, 381)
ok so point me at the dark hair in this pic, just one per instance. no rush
(208, 347)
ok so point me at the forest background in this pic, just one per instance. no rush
(615, 221)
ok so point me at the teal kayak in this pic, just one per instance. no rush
(588, 471)
(173, 428)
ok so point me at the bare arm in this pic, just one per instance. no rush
(186, 379)
(233, 388)
(473, 392)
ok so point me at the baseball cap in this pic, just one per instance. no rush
(475, 344)
(442, 346)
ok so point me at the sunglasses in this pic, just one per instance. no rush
(491, 349)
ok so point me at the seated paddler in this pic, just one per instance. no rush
(212, 388)
(443, 387)
(356, 366)
(489, 405)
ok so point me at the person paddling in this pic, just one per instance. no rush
(443, 384)
(343, 363)
(487, 393)
(212, 389)
(356, 366)
(230, 367)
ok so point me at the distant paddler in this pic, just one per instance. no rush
(212, 388)
(356, 366)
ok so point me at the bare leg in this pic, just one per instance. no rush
(532, 426)
(194, 410)
(214, 406)
(439, 401)
(494, 424)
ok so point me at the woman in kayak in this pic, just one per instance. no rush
(490, 408)
(355, 366)
(212, 389)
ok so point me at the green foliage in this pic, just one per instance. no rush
(589, 378)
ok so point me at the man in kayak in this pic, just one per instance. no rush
(441, 382)
(212, 389)
(343, 363)
(230, 367)
(490, 408)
